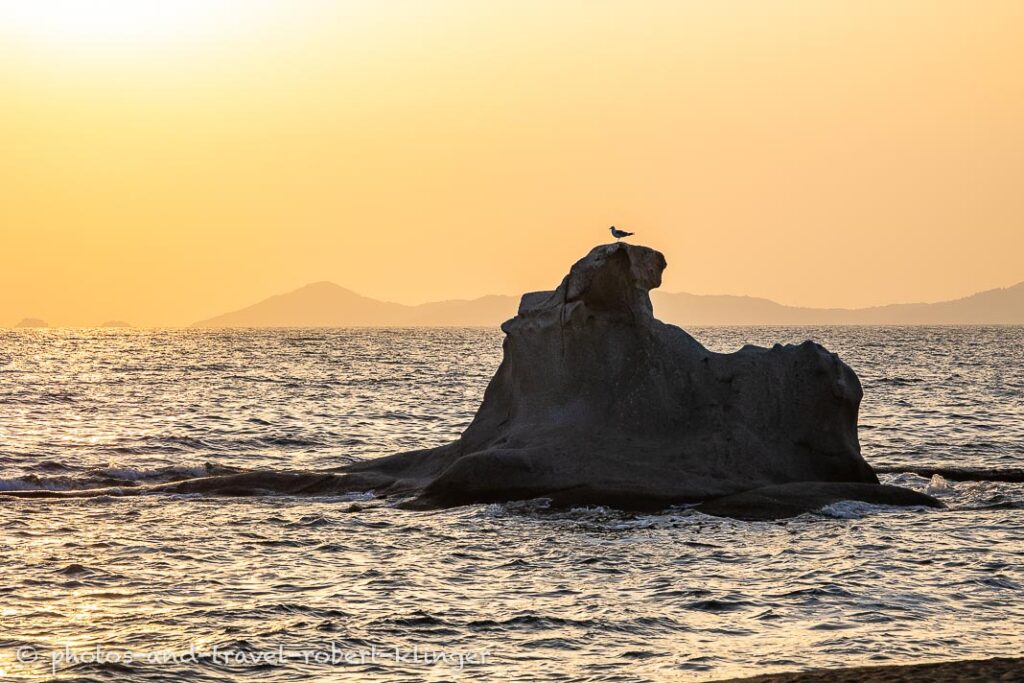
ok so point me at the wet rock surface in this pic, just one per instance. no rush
(598, 402)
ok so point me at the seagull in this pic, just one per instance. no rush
(619, 234)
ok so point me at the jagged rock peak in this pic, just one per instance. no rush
(612, 279)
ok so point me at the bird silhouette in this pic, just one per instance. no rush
(619, 234)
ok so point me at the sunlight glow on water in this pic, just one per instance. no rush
(570, 595)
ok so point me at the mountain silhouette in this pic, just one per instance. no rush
(325, 304)
(32, 322)
(991, 307)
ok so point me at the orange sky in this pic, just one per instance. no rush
(164, 166)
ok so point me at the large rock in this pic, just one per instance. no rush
(597, 402)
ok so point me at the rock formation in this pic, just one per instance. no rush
(597, 402)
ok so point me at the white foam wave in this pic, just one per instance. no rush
(856, 509)
(134, 474)
(19, 484)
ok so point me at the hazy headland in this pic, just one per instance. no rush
(325, 304)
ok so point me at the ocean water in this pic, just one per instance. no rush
(287, 588)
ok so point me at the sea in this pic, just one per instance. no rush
(276, 588)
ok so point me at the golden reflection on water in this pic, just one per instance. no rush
(586, 593)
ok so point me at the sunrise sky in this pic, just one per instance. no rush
(162, 162)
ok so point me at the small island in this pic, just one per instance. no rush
(31, 322)
(597, 402)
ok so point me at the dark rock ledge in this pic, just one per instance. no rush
(597, 402)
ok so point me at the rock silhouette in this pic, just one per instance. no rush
(597, 402)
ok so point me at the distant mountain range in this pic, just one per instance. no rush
(325, 304)
(991, 307)
(32, 322)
